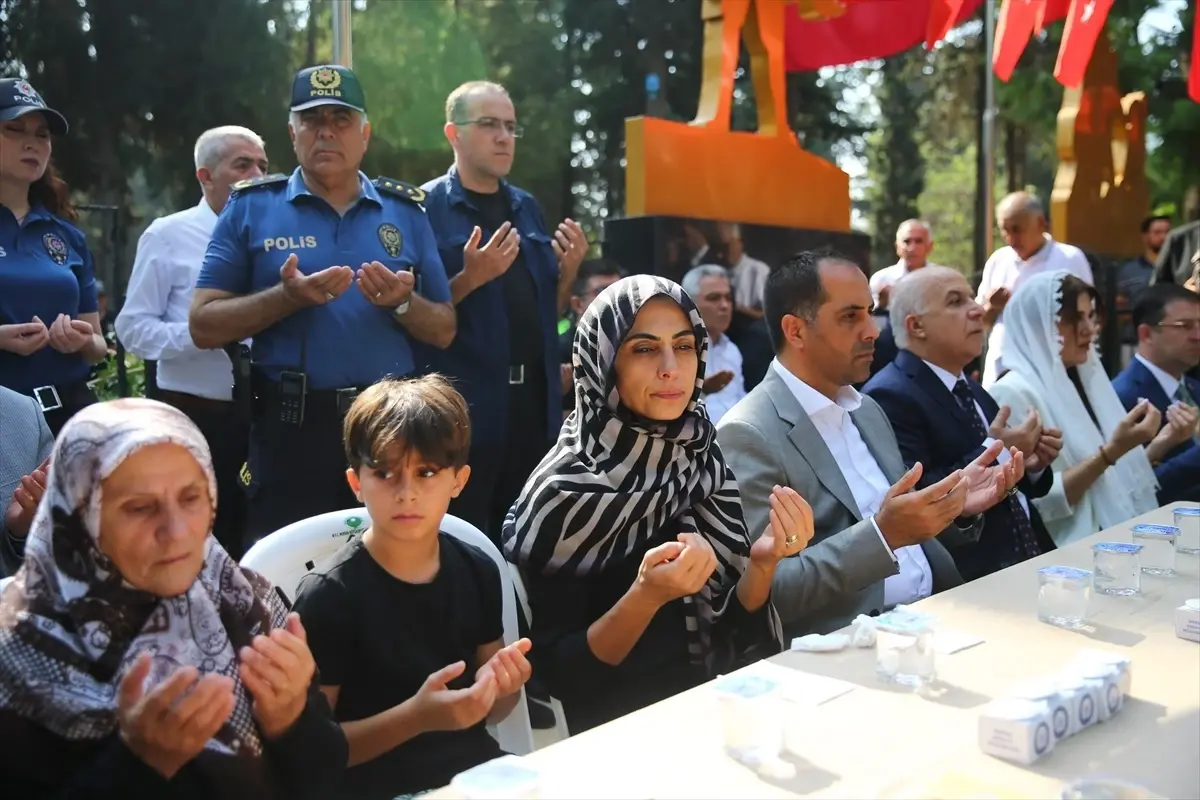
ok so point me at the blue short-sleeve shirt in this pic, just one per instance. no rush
(348, 341)
(46, 269)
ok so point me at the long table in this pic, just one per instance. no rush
(868, 742)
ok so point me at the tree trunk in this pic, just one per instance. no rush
(310, 50)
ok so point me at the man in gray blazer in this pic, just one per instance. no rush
(876, 541)
(25, 444)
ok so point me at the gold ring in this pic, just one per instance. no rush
(329, 296)
(378, 295)
(792, 539)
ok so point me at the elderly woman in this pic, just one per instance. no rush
(1102, 476)
(641, 577)
(136, 658)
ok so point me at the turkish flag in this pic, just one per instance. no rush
(855, 30)
(1194, 69)
(1085, 22)
(943, 14)
(1019, 21)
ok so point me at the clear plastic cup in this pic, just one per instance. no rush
(1187, 519)
(1098, 788)
(1116, 568)
(904, 648)
(1063, 595)
(1158, 548)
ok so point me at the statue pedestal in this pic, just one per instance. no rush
(678, 170)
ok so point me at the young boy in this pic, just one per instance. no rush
(405, 622)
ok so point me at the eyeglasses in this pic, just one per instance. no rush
(494, 125)
(1188, 325)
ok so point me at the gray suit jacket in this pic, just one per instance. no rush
(25, 440)
(768, 440)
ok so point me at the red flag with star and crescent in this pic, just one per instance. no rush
(1019, 21)
(1085, 22)
(829, 33)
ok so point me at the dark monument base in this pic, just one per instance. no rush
(666, 246)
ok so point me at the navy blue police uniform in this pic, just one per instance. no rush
(297, 467)
(46, 269)
(504, 357)
(308, 368)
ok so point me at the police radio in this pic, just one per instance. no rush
(292, 388)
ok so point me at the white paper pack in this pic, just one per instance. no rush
(821, 642)
(801, 688)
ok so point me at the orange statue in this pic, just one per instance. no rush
(1100, 189)
(729, 23)
(705, 170)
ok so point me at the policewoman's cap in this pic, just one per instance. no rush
(327, 85)
(18, 98)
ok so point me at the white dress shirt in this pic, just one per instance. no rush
(889, 277)
(866, 480)
(153, 323)
(723, 354)
(950, 380)
(1006, 269)
(1169, 385)
(748, 278)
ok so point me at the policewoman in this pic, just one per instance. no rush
(334, 276)
(49, 325)
(510, 279)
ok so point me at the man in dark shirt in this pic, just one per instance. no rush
(509, 279)
(594, 277)
(1135, 275)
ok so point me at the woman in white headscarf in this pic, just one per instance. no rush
(1103, 476)
(137, 659)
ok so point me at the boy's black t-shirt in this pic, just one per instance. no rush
(378, 639)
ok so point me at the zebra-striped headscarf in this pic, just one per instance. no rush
(616, 485)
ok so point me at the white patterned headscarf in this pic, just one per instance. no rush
(71, 626)
(616, 485)
(1033, 350)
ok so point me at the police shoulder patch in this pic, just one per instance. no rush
(407, 191)
(265, 180)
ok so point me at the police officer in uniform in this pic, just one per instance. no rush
(49, 323)
(334, 276)
(510, 279)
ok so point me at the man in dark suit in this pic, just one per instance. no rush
(1167, 321)
(945, 420)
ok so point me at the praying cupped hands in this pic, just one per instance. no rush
(509, 666)
(789, 530)
(277, 670)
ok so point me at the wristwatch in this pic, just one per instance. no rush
(399, 311)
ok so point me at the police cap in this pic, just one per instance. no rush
(327, 85)
(18, 98)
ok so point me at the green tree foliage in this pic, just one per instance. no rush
(893, 154)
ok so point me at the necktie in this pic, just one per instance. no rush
(1027, 546)
(1184, 395)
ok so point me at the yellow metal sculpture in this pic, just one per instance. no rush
(706, 170)
(1100, 190)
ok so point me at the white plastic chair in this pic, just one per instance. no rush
(288, 554)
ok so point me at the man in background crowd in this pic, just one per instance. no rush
(1029, 250)
(708, 286)
(914, 243)
(153, 324)
(595, 275)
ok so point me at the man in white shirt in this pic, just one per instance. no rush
(153, 323)
(747, 275)
(1029, 250)
(876, 542)
(914, 243)
(708, 286)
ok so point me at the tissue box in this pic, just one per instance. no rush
(1016, 730)
(1187, 620)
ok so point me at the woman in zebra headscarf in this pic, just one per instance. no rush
(642, 580)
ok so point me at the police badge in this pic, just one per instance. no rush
(56, 248)
(390, 238)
